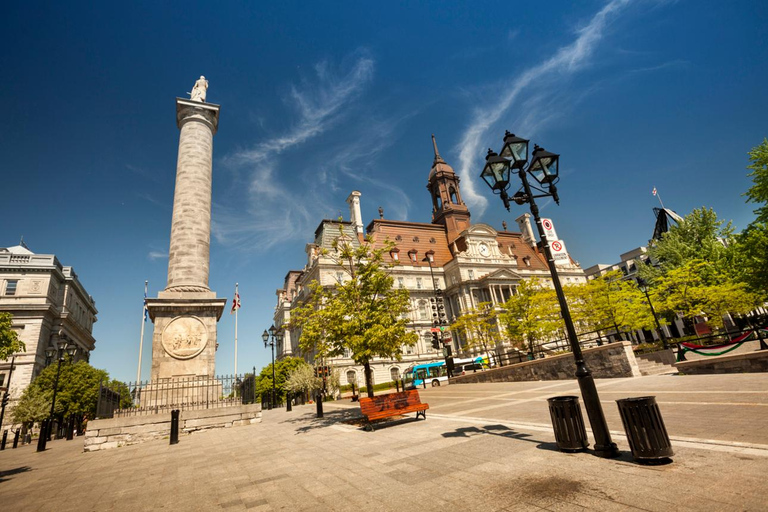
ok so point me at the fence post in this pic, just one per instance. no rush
(175, 426)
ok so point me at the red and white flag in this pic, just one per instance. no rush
(654, 190)
(235, 303)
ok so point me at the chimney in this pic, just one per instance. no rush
(355, 216)
(524, 223)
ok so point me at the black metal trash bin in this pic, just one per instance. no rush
(645, 429)
(568, 423)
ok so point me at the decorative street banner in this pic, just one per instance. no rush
(559, 254)
(549, 229)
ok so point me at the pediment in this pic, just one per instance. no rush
(480, 230)
(502, 274)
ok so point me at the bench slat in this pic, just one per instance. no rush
(392, 404)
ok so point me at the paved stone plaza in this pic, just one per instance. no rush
(483, 447)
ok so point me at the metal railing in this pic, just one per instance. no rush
(119, 399)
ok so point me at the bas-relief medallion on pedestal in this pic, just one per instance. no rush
(185, 337)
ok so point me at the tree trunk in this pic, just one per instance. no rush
(368, 380)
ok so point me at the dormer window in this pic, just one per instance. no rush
(430, 256)
(527, 261)
(412, 254)
(395, 254)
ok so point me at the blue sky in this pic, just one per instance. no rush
(321, 98)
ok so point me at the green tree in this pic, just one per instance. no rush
(78, 392)
(283, 369)
(9, 339)
(302, 379)
(531, 315)
(752, 257)
(479, 326)
(700, 236)
(610, 302)
(697, 288)
(758, 192)
(363, 314)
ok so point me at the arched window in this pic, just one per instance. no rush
(438, 202)
(394, 373)
(351, 377)
(454, 198)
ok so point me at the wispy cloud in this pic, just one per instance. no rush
(566, 61)
(157, 255)
(277, 210)
(679, 63)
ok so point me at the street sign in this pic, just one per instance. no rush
(434, 329)
(445, 352)
(549, 229)
(559, 254)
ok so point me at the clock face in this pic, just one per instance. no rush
(484, 250)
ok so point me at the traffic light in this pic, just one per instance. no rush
(6, 397)
(435, 341)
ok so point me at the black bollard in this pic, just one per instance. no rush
(16, 438)
(397, 385)
(175, 426)
(5, 438)
(71, 428)
(288, 400)
(43, 436)
(319, 403)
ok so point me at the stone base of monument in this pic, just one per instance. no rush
(127, 430)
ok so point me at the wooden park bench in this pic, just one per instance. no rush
(392, 404)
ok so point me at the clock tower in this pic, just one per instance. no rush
(448, 208)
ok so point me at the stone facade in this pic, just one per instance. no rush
(116, 432)
(749, 362)
(48, 304)
(185, 314)
(471, 263)
(609, 361)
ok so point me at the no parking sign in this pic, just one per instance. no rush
(549, 229)
(559, 254)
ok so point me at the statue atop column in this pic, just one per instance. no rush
(199, 90)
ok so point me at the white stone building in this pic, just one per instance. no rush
(48, 304)
(471, 263)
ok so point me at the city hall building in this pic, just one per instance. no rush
(471, 263)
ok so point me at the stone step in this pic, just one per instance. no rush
(653, 368)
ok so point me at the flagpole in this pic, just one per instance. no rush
(141, 340)
(236, 297)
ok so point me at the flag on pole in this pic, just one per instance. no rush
(235, 303)
(146, 311)
(654, 190)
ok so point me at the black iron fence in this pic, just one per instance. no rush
(119, 399)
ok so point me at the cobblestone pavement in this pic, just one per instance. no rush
(483, 447)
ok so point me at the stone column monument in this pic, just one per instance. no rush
(186, 312)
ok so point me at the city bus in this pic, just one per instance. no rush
(432, 373)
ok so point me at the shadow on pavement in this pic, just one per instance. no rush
(501, 431)
(11, 472)
(311, 422)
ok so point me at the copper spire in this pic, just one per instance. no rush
(438, 158)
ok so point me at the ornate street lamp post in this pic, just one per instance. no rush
(62, 349)
(544, 167)
(270, 337)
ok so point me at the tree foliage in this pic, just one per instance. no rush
(758, 192)
(283, 369)
(479, 326)
(363, 314)
(531, 315)
(697, 288)
(700, 236)
(9, 339)
(302, 379)
(78, 392)
(752, 258)
(609, 302)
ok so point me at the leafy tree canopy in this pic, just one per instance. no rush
(78, 392)
(758, 193)
(283, 369)
(752, 258)
(532, 314)
(9, 339)
(479, 326)
(363, 314)
(700, 236)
